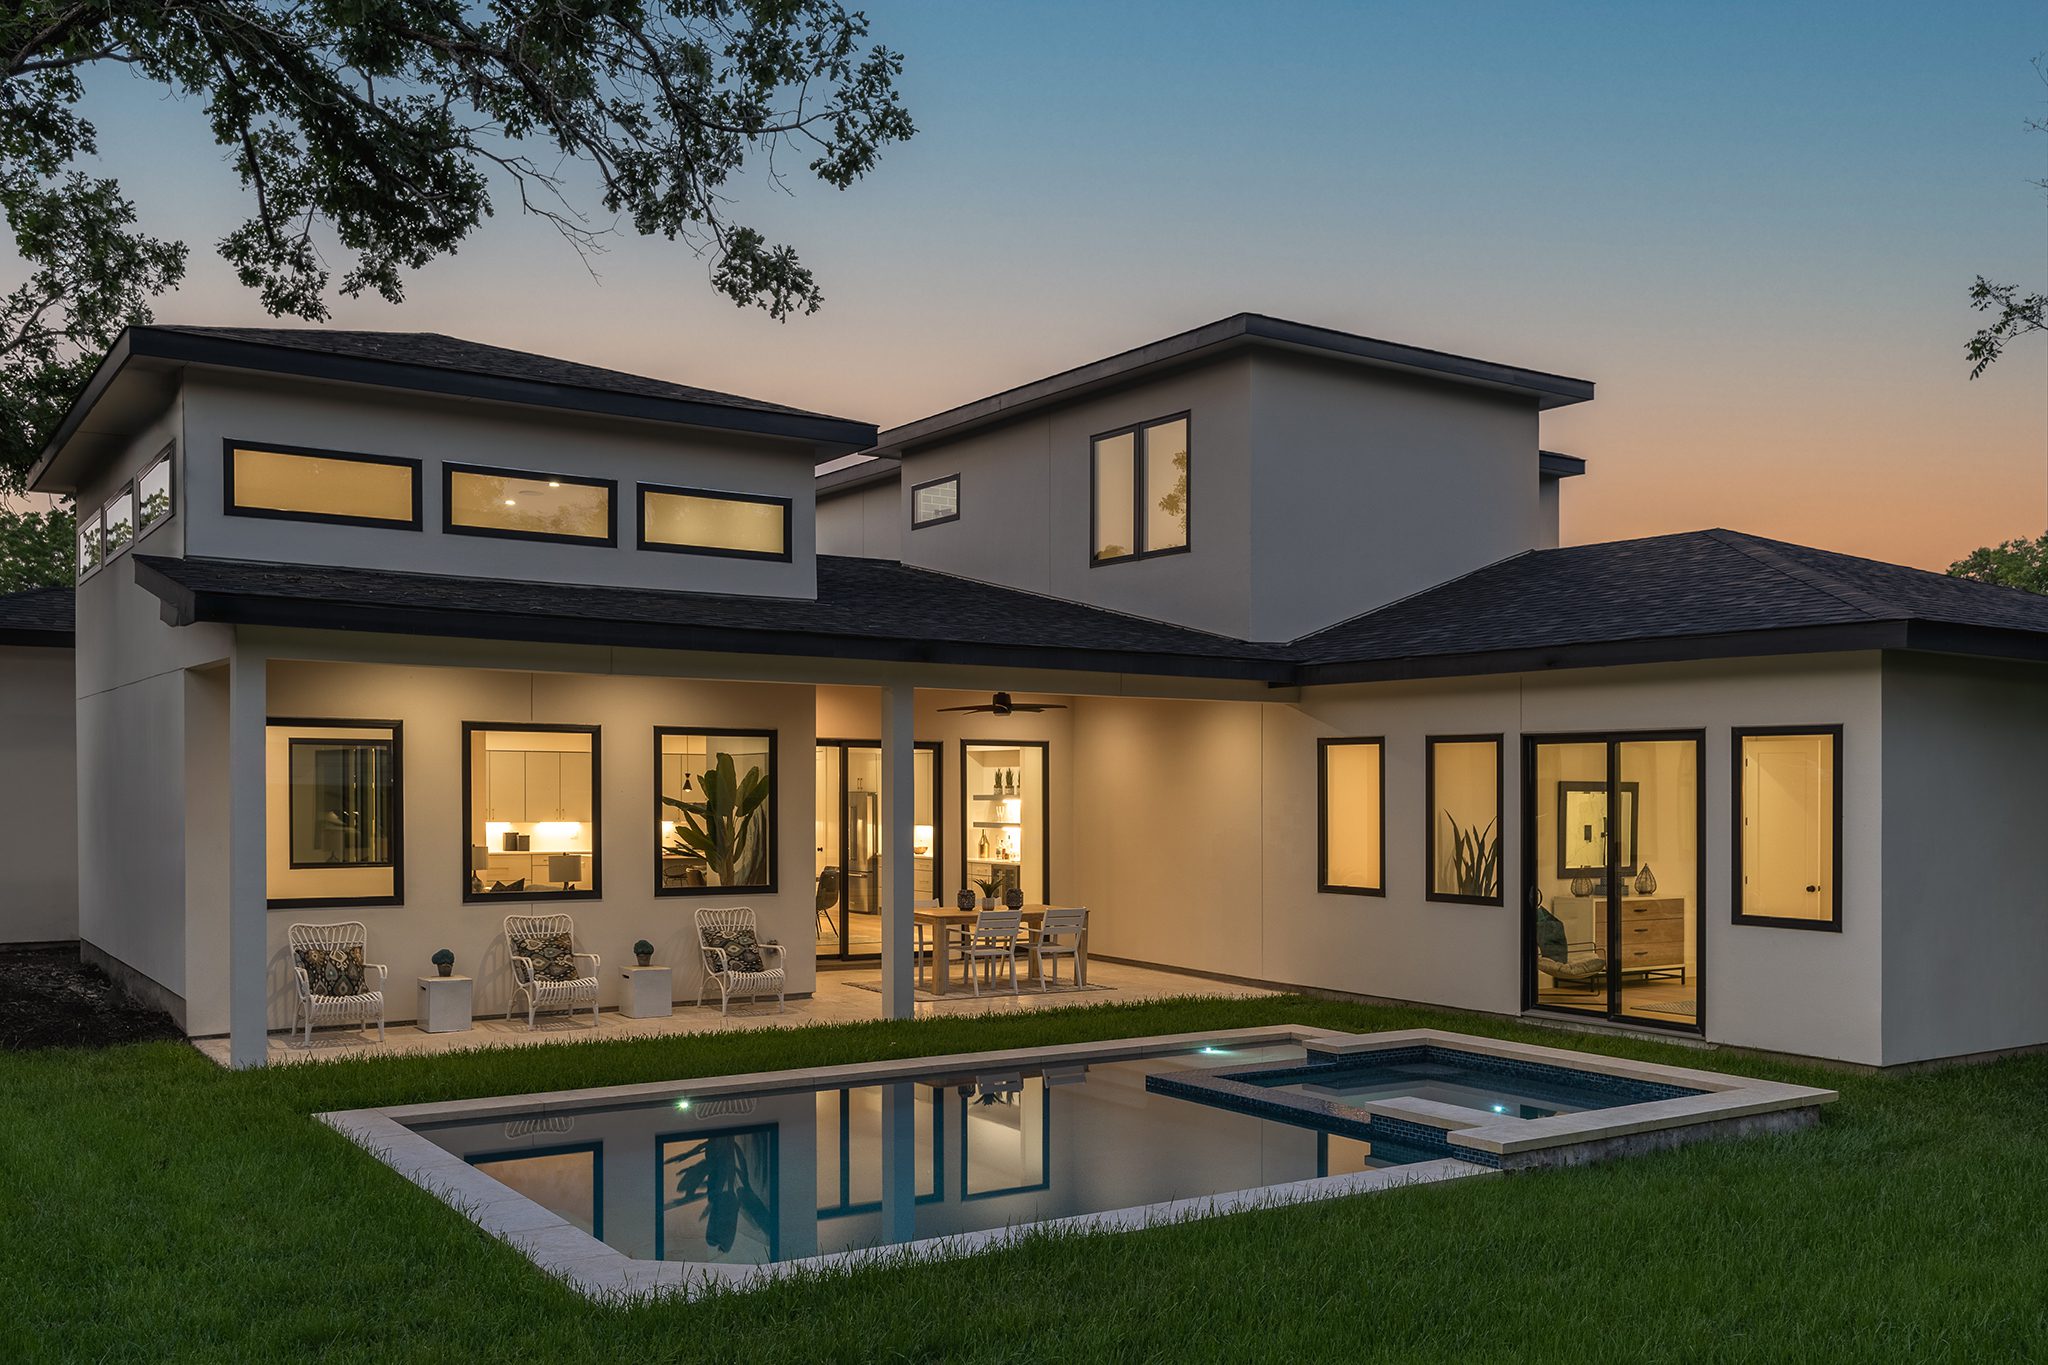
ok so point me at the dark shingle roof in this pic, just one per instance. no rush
(435, 351)
(39, 616)
(1700, 595)
(1661, 588)
(865, 608)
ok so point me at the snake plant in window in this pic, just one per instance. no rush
(1474, 864)
(728, 829)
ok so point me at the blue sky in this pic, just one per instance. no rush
(1753, 225)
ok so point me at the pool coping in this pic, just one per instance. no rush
(1504, 1141)
(601, 1272)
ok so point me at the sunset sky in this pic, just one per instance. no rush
(1753, 225)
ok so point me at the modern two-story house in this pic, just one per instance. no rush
(417, 631)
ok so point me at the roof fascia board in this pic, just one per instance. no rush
(185, 606)
(1211, 342)
(238, 354)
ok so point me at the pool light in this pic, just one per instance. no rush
(683, 1103)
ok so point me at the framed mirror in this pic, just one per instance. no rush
(1582, 829)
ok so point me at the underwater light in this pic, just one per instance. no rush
(683, 1103)
(1500, 1109)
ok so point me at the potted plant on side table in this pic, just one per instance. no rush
(444, 961)
(643, 953)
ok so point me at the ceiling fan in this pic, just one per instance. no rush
(1001, 705)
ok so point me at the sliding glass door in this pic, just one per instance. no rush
(848, 914)
(1613, 876)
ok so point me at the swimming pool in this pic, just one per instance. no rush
(791, 1173)
(670, 1187)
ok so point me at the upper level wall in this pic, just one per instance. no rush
(1317, 490)
(1370, 486)
(220, 407)
(867, 522)
(1025, 497)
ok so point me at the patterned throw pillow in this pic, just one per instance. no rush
(742, 949)
(332, 971)
(552, 955)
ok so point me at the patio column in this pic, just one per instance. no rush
(248, 918)
(899, 816)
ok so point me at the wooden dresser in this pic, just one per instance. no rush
(1652, 930)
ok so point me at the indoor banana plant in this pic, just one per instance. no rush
(728, 829)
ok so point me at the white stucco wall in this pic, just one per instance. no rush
(868, 522)
(433, 703)
(220, 407)
(38, 796)
(1196, 840)
(1025, 495)
(1965, 861)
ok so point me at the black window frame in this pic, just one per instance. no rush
(788, 506)
(596, 733)
(450, 468)
(230, 508)
(1323, 883)
(774, 807)
(94, 524)
(107, 547)
(163, 461)
(1736, 734)
(397, 863)
(1136, 432)
(917, 488)
(1429, 743)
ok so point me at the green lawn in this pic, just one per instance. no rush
(156, 1207)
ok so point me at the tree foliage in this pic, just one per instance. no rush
(35, 549)
(369, 135)
(2018, 563)
(2016, 314)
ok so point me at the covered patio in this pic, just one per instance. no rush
(842, 996)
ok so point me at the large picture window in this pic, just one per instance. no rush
(294, 484)
(1351, 816)
(531, 793)
(480, 501)
(694, 521)
(714, 808)
(335, 829)
(1464, 804)
(1141, 491)
(1788, 827)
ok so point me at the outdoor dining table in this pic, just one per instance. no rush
(943, 921)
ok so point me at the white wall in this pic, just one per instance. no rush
(1196, 840)
(434, 702)
(1025, 498)
(1965, 862)
(221, 407)
(1368, 487)
(39, 796)
(868, 522)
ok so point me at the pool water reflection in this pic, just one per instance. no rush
(787, 1174)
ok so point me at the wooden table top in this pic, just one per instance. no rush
(951, 915)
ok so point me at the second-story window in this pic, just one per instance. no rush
(508, 502)
(153, 493)
(322, 485)
(935, 502)
(699, 522)
(1141, 491)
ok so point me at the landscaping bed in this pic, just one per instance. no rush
(49, 998)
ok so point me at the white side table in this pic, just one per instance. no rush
(650, 993)
(444, 1004)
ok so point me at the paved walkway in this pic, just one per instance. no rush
(838, 1001)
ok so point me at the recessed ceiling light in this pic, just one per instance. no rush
(510, 503)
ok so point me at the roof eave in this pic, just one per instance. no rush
(136, 343)
(186, 606)
(1214, 341)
